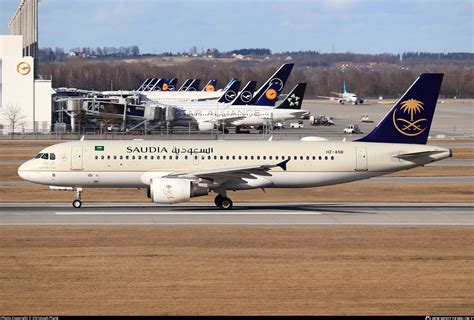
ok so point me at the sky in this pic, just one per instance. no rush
(156, 26)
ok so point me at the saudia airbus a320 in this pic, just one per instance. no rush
(175, 171)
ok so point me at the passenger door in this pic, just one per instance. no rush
(361, 159)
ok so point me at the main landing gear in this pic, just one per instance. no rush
(223, 202)
(77, 203)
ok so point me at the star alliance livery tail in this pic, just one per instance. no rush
(210, 86)
(409, 120)
(294, 99)
(279, 78)
(245, 96)
(230, 93)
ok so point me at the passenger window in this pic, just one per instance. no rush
(233, 157)
(332, 157)
(157, 157)
(171, 157)
(326, 157)
(258, 157)
(185, 157)
(246, 157)
(270, 157)
(215, 157)
(251, 157)
(314, 158)
(145, 157)
(115, 157)
(133, 157)
(139, 157)
(320, 158)
(240, 157)
(222, 157)
(307, 157)
(301, 157)
(203, 157)
(276, 157)
(96, 157)
(264, 158)
(102, 157)
(52, 156)
(45, 156)
(152, 157)
(121, 157)
(208, 157)
(126, 157)
(108, 157)
(227, 157)
(295, 157)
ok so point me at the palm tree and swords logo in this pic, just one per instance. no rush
(409, 127)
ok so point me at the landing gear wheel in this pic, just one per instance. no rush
(218, 200)
(77, 204)
(226, 203)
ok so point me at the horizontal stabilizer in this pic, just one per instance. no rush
(415, 155)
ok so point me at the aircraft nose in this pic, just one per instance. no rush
(22, 170)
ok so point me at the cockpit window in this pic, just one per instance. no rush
(52, 156)
(38, 155)
(45, 156)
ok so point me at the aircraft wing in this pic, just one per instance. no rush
(220, 176)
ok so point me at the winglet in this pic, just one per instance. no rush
(283, 164)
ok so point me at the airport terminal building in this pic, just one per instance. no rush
(25, 102)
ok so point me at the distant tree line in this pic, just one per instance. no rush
(389, 80)
(58, 54)
(251, 51)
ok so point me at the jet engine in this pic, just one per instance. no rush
(205, 126)
(169, 190)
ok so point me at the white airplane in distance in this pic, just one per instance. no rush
(175, 171)
(345, 96)
(209, 116)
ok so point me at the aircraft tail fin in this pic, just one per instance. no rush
(211, 85)
(294, 99)
(269, 96)
(410, 118)
(157, 85)
(344, 87)
(144, 84)
(279, 78)
(246, 95)
(172, 84)
(185, 85)
(194, 86)
(230, 93)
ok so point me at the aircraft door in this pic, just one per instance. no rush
(361, 159)
(76, 158)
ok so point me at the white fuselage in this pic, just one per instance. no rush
(132, 164)
(235, 115)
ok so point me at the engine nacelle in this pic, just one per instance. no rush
(169, 190)
(205, 126)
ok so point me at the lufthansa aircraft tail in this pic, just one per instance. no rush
(230, 93)
(185, 84)
(245, 96)
(172, 84)
(294, 99)
(211, 85)
(269, 96)
(409, 120)
(279, 78)
(194, 86)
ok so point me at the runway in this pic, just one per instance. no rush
(251, 214)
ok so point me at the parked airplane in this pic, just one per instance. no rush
(175, 171)
(345, 96)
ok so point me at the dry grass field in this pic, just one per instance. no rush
(234, 270)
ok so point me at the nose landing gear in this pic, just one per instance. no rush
(77, 203)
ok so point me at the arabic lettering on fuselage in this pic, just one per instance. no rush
(175, 150)
(185, 113)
